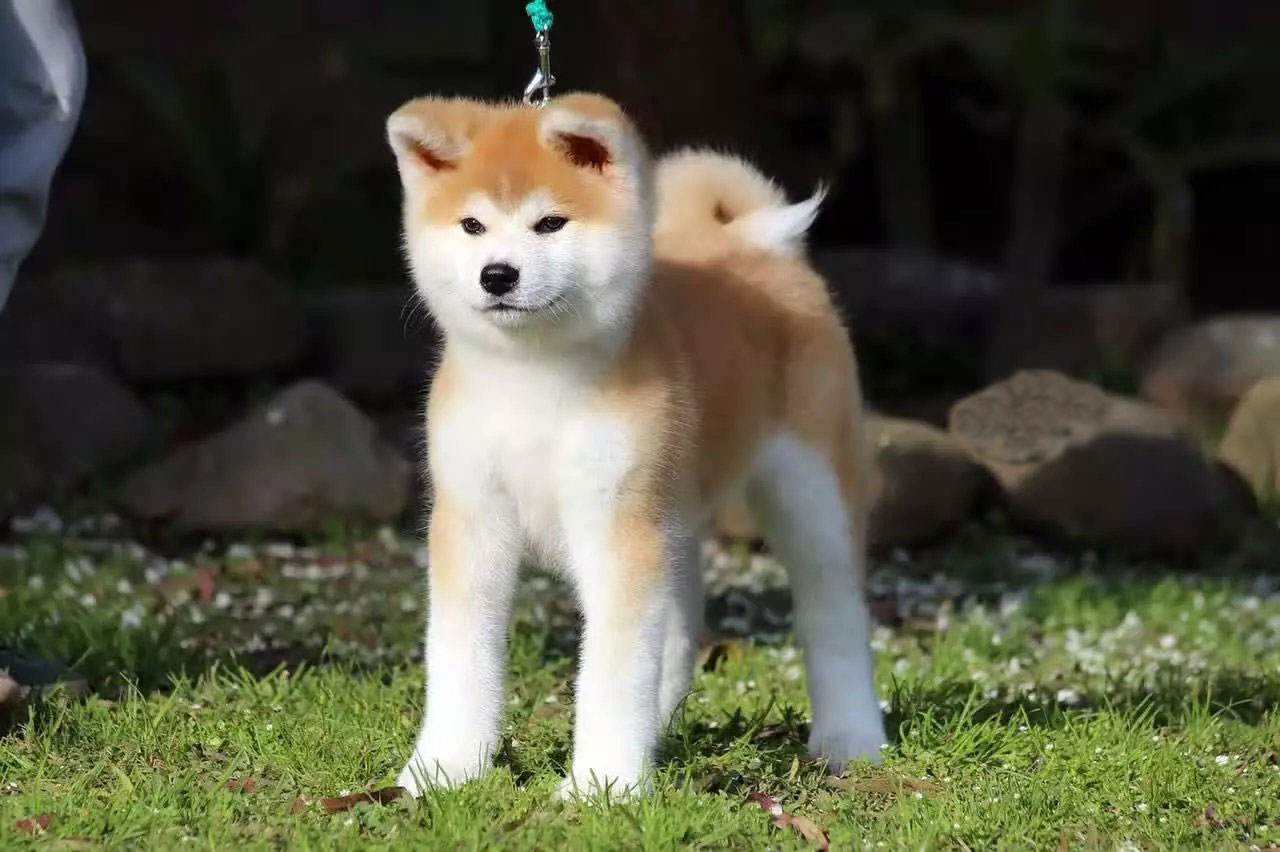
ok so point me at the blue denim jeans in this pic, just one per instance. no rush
(42, 80)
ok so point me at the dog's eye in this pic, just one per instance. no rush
(472, 226)
(549, 224)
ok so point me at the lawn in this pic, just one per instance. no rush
(1035, 698)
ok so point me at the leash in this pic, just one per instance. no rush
(538, 92)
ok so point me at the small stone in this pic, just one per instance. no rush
(11, 692)
(324, 460)
(1200, 372)
(1251, 446)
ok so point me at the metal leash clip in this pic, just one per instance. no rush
(538, 92)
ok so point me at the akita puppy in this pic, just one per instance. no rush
(609, 377)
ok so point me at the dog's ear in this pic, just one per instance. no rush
(592, 132)
(431, 135)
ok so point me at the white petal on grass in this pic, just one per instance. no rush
(131, 618)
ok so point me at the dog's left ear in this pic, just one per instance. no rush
(592, 132)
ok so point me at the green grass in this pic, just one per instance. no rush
(1034, 700)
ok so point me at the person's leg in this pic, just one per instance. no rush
(42, 80)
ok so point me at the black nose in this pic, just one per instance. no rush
(499, 278)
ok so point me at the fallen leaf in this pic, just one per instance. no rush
(710, 782)
(250, 568)
(243, 785)
(176, 590)
(34, 825)
(885, 785)
(885, 611)
(1209, 819)
(777, 732)
(299, 805)
(711, 656)
(377, 797)
(809, 830)
(547, 711)
(805, 827)
(206, 584)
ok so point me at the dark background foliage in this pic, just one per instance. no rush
(1083, 186)
(1064, 141)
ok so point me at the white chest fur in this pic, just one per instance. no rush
(537, 443)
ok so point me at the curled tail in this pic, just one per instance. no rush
(708, 201)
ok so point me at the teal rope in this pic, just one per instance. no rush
(540, 15)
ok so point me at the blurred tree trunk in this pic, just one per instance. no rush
(681, 68)
(1037, 193)
(1039, 166)
(1171, 234)
(898, 127)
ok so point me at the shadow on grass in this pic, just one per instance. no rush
(1230, 693)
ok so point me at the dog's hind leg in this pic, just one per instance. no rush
(805, 515)
(684, 630)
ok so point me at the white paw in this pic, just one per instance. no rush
(424, 772)
(589, 786)
(841, 746)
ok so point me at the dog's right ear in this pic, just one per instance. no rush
(431, 135)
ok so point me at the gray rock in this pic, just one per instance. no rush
(942, 301)
(1200, 372)
(929, 484)
(59, 423)
(1088, 329)
(160, 320)
(1252, 443)
(375, 346)
(26, 672)
(306, 457)
(1080, 463)
(49, 322)
(948, 304)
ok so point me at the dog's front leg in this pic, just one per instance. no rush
(622, 580)
(474, 559)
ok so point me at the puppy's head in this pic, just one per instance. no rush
(524, 226)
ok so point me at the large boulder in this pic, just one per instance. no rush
(376, 346)
(1084, 464)
(59, 423)
(1200, 372)
(157, 321)
(48, 322)
(929, 484)
(306, 457)
(1252, 443)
